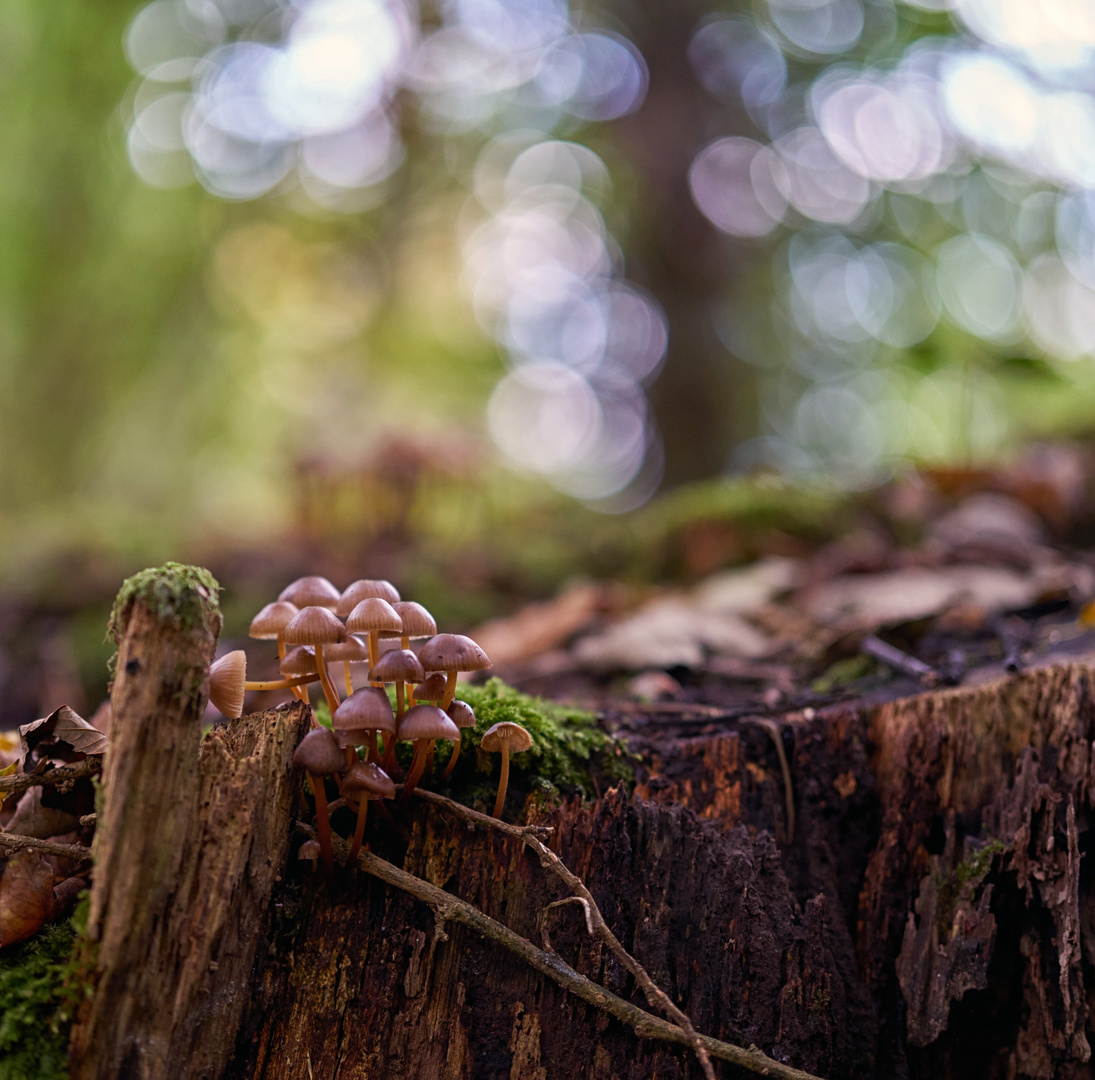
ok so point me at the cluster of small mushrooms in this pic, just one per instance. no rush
(308, 616)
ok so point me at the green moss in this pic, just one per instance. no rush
(849, 670)
(184, 595)
(963, 880)
(42, 981)
(568, 749)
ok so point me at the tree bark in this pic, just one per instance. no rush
(930, 915)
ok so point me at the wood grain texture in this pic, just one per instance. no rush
(189, 840)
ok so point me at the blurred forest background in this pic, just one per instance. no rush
(483, 295)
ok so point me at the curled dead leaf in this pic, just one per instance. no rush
(63, 734)
(26, 896)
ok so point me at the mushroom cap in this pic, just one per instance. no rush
(432, 688)
(351, 650)
(314, 626)
(369, 779)
(353, 594)
(299, 661)
(460, 713)
(311, 592)
(270, 622)
(226, 678)
(515, 736)
(452, 652)
(398, 665)
(416, 621)
(365, 709)
(309, 850)
(318, 752)
(373, 613)
(426, 722)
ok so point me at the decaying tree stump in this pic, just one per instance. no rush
(190, 837)
(929, 914)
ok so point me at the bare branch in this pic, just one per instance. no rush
(20, 782)
(15, 842)
(451, 908)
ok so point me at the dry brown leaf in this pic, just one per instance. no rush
(63, 734)
(33, 818)
(26, 896)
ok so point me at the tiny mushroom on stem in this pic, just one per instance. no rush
(398, 666)
(353, 594)
(452, 653)
(311, 592)
(317, 626)
(352, 650)
(421, 725)
(227, 679)
(269, 625)
(309, 850)
(461, 714)
(416, 621)
(357, 720)
(366, 780)
(319, 756)
(432, 688)
(374, 617)
(504, 737)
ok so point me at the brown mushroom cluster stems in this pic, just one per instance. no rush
(281, 684)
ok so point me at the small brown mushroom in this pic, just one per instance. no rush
(227, 678)
(452, 653)
(357, 720)
(504, 737)
(310, 850)
(311, 592)
(398, 666)
(317, 626)
(374, 617)
(416, 621)
(318, 754)
(461, 714)
(366, 780)
(269, 625)
(353, 594)
(432, 688)
(422, 725)
(351, 651)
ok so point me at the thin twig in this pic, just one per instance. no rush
(19, 783)
(899, 661)
(15, 842)
(594, 919)
(519, 832)
(788, 792)
(646, 1025)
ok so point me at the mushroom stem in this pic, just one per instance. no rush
(503, 782)
(329, 692)
(359, 830)
(399, 707)
(281, 684)
(450, 690)
(452, 760)
(417, 766)
(301, 695)
(389, 764)
(373, 643)
(347, 677)
(323, 825)
(351, 757)
(429, 756)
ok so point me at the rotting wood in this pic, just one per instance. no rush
(189, 839)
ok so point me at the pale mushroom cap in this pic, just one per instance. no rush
(318, 752)
(353, 649)
(309, 850)
(431, 689)
(373, 613)
(452, 652)
(367, 708)
(370, 779)
(353, 594)
(399, 665)
(415, 620)
(270, 622)
(460, 712)
(507, 732)
(311, 592)
(314, 626)
(226, 678)
(299, 661)
(426, 722)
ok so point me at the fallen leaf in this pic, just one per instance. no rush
(63, 734)
(33, 818)
(26, 896)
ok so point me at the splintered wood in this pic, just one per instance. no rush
(189, 839)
